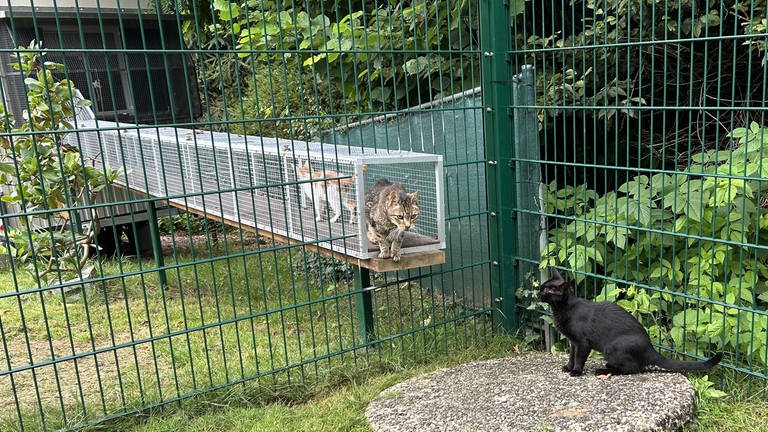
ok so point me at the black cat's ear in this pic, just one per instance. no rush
(555, 275)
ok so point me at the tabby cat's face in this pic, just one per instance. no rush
(403, 209)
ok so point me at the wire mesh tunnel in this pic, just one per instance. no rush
(260, 184)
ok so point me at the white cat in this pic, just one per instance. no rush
(329, 191)
(303, 173)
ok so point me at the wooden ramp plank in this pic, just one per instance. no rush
(407, 261)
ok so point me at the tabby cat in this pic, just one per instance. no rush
(608, 328)
(389, 212)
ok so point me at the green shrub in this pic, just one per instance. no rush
(187, 223)
(349, 61)
(49, 176)
(278, 100)
(685, 242)
(319, 267)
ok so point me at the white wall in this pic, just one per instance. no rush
(63, 5)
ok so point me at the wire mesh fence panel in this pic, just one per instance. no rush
(116, 112)
(651, 123)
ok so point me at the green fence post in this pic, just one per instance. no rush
(157, 248)
(364, 303)
(496, 42)
(529, 192)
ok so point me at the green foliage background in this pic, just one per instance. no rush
(307, 66)
(609, 72)
(688, 242)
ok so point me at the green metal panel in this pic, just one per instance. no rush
(528, 182)
(157, 248)
(364, 303)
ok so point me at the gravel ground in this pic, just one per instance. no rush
(530, 393)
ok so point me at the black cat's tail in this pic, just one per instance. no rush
(683, 366)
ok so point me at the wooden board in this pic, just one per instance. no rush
(407, 261)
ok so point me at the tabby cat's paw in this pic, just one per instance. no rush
(383, 255)
(396, 258)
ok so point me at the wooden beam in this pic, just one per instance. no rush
(407, 261)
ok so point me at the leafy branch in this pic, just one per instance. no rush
(49, 179)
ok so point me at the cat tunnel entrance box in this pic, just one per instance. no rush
(258, 182)
(354, 171)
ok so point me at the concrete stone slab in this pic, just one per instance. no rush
(531, 393)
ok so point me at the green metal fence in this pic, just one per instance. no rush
(619, 140)
(109, 306)
(651, 123)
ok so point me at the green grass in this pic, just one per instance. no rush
(745, 407)
(302, 368)
(730, 415)
(283, 345)
(339, 403)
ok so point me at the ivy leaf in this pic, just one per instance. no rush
(685, 318)
(677, 336)
(705, 388)
(656, 272)
(53, 65)
(314, 59)
(738, 133)
(715, 328)
(621, 238)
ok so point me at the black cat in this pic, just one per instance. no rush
(606, 327)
